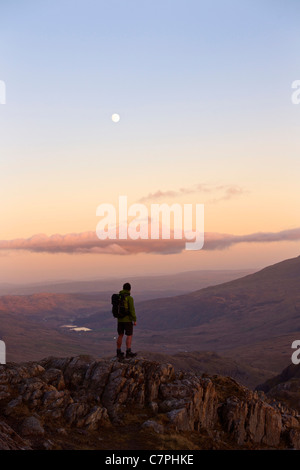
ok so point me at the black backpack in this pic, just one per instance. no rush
(119, 305)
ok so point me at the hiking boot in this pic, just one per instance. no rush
(120, 354)
(129, 353)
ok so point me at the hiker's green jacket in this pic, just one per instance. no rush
(131, 316)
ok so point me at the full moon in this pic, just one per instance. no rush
(115, 118)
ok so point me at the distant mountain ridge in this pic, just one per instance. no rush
(171, 284)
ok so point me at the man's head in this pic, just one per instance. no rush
(127, 286)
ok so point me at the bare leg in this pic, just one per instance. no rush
(119, 341)
(128, 341)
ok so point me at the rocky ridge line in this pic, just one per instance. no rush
(43, 403)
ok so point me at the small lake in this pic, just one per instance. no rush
(76, 328)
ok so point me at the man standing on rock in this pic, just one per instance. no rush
(126, 323)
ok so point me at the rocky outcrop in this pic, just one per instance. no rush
(43, 405)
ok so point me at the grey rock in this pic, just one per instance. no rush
(31, 426)
(151, 424)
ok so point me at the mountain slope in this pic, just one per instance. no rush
(211, 363)
(258, 305)
(284, 387)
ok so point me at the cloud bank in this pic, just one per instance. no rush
(88, 242)
(220, 192)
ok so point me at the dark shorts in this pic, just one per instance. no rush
(125, 327)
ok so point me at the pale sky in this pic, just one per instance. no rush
(203, 90)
